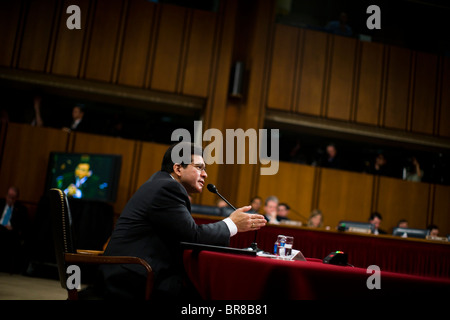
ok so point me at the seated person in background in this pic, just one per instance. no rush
(315, 219)
(375, 219)
(380, 166)
(433, 230)
(255, 202)
(225, 209)
(340, 27)
(13, 226)
(270, 209)
(331, 158)
(413, 171)
(78, 123)
(221, 204)
(402, 223)
(283, 212)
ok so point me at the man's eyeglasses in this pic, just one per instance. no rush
(199, 167)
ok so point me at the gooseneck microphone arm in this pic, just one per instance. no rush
(212, 188)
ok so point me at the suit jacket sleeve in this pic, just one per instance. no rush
(170, 213)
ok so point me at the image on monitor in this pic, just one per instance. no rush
(85, 176)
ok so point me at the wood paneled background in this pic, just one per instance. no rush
(134, 43)
(189, 53)
(367, 83)
(341, 195)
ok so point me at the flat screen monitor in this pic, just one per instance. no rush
(86, 176)
(410, 232)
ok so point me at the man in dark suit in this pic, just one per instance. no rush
(81, 184)
(13, 224)
(79, 122)
(375, 219)
(154, 222)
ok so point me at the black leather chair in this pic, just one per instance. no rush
(67, 254)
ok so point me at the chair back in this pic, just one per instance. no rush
(61, 222)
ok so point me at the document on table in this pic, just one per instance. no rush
(296, 255)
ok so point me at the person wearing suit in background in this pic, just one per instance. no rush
(13, 226)
(154, 222)
(375, 219)
(283, 210)
(270, 209)
(331, 158)
(255, 202)
(79, 122)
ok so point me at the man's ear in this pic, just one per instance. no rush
(177, 169)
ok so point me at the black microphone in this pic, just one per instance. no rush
(212, 188)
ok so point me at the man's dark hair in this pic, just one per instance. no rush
(254, 198)
(167, 163)
(81, 106)
(375, 215)
(284, 205)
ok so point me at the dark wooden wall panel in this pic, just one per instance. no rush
(9, 29)
(167, 58)
(199, 58)
(283, 68)
(25, 158)
(397, 88)
(441, 209)
(148, 162)
(103, 44)
(341, 86)
(444, 115)
(298, 193)
(137, 42)
(312, 72)
(35, 45)
(424, 97)
(398, 199)
(344, 195)
(370, 83)
(67, 58)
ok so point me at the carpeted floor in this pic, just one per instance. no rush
(20, 287)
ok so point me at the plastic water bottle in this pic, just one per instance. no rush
(281, 247)
(281, 240)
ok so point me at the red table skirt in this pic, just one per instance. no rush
(394, 254)
(223, 276)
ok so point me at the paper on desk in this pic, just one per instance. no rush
(294, 256)
(266, 255)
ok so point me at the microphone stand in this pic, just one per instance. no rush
(254, 246)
